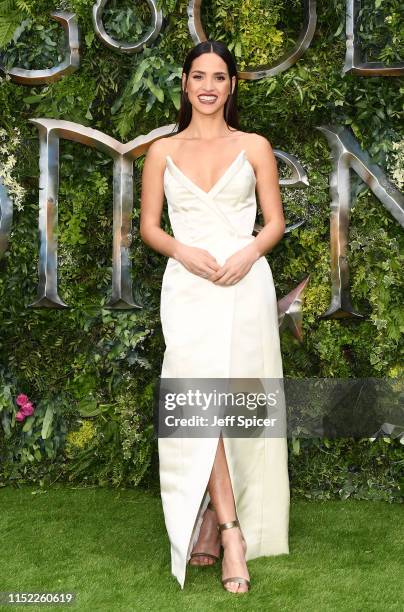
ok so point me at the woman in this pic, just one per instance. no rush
(219, 318)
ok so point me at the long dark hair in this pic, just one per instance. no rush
(230, 112)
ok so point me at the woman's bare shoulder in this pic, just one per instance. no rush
(258, 148)
(257, 141)
(158, 148)
(158, 151)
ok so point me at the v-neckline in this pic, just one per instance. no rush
(218, 182)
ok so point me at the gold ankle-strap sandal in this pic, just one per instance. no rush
(238, 579)
(204, 554)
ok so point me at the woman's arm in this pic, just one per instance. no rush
(151, 203)
(267, 186)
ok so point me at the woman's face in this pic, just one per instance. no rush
(208, 84)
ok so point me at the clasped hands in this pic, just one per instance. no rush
(201, 262)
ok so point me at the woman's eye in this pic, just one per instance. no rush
(199, 76)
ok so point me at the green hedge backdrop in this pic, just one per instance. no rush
(91, 372)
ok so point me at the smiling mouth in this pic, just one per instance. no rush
(207, 99)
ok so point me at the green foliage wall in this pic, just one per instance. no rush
(91, 372)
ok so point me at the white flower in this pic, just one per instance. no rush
(8, 160)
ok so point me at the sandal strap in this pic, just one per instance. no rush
(228, 525)
(238, 579)
(203, 554)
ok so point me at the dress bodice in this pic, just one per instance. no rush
(223, 215)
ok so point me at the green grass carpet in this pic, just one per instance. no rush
(110, 547)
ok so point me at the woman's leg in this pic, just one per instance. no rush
(208, 540)
(221, 495)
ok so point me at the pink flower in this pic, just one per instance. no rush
(27, 409)
(22, 399)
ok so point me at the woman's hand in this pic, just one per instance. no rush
(196, 260)
(236, 266)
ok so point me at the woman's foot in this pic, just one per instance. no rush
(234, 563)
(208, 540)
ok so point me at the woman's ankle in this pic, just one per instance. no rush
(231, 536)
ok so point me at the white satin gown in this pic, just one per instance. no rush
(218, 331)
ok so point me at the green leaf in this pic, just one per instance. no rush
(300, 91)
(339, 29)
(8, 25)
(88, 407)
(116, 106)
(6, 424)
(156, 91)
(139, 72)
(136, 87)
(28, 424)
(89, 37)
(47, 423)
(176, 98)
(33, 99)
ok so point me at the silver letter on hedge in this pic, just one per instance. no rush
(353, 62)
(346, 153)
(122, 47)
(123, 155)
(69, 64)
(286, 61)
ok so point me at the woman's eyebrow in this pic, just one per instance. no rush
(202, 72)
